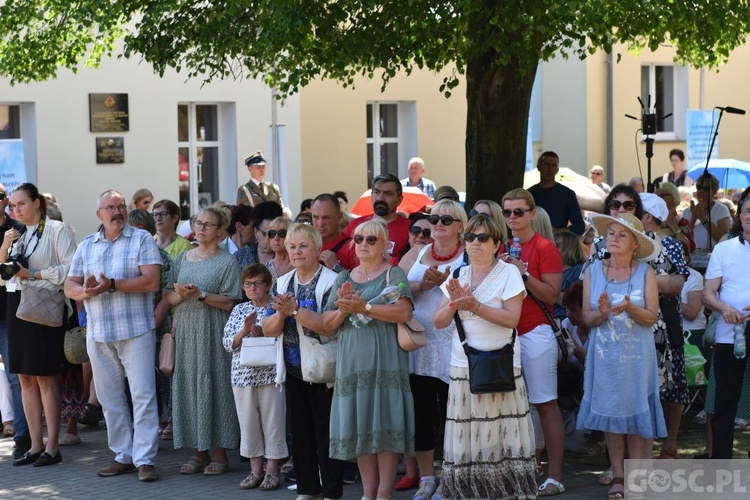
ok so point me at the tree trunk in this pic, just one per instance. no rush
(498, 99)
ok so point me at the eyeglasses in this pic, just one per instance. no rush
(447, 220)
(473, 212)
(371, 240)
(204, 225)
(272, 233)
(2, 196)
(253, 284)
(518, 212)
(416, 230)
(482, 237)
(160, 215)
(626, 205)
(115, 208)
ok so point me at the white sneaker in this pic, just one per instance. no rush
(739, 424)
(700, 418)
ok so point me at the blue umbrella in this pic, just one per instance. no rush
(732, 174)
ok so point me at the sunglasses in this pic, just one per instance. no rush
(627, 205)
(473, 212)
(518, 212)
(482, 237)
(272, 233)
(2, 196)
(371, 240)
(416, 230)
(447, 220)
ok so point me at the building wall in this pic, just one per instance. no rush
(333, 119)
(63, 159)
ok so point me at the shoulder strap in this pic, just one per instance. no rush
(340, 244)
(249, 196)
(462, 333)
(547, 315)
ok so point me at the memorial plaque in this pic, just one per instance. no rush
(109, 113)
(110, 150)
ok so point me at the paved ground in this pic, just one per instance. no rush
(75, 477)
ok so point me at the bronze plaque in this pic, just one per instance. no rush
(109, 113)
(110, 150)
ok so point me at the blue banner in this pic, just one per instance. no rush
(700, 126)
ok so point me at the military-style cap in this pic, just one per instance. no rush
(255, 159)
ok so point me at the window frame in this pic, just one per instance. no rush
(193, 144)
(679, 101)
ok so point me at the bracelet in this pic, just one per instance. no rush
(478, 307)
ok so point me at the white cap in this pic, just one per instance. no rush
(655, 206)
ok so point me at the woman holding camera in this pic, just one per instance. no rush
(37, 262)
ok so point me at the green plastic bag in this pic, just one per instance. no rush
(695, 365)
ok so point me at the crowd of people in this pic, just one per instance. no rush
(338, 395)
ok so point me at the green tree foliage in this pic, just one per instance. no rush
(494, 44)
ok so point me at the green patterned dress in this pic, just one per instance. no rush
(372, 408)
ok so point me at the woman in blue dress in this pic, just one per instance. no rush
(620, 304)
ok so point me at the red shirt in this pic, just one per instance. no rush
(346, 254)
(540, 257)
(398, 235)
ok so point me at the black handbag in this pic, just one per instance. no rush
(489, 371)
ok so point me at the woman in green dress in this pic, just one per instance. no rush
(372, 415)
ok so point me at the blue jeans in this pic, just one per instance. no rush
(22, 428)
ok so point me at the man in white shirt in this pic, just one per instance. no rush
(726, 291)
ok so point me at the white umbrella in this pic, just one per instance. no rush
(590, 196)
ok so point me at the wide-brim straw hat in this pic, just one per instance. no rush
(647, 249)
(75, 346)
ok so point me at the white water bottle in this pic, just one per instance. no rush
(740, 343)
(389, 295)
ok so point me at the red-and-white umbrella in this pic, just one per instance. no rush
(414, 201)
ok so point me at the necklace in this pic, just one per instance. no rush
(300, 283)
(444, 258)
(204, 257)
(608, 281)
(165, 242)
(366, 276)
(479, 278)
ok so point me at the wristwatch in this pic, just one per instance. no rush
(337, 268)
(296, 311)
(525, 276)
(368, 308)
(202, 298)
(112, 288)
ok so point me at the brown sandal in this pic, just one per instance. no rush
(619, 484)
(269, 483)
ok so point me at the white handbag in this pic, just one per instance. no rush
(258, 351)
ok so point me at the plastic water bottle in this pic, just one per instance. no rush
(740, 344)
(515, 248)
(389, 295)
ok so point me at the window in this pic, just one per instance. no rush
(197, 156)
(666, 85)
(391, 138)
(10, 122)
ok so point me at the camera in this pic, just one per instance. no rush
(10, 268)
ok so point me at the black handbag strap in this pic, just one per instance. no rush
(340, 244)
(549, 317)
(462, 333)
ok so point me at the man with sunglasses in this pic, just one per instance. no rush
(337, 252)
(387, 194)
(596, 175)
(559, 201)
(22, 439)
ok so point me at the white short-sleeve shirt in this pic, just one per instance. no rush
(730, 261)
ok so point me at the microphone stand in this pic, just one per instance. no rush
(706, 179)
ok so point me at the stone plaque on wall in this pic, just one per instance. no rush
(109, 113)
(110, 150)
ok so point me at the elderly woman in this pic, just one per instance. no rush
(276, 234)
(620, 304)
(299, 298)
(427, 268)
(261, 409)
(372, 417)
(697, 214)
(420, 232)
(206, 289)
(541, 269)
(489, 440)
(42, 259)
(167, 217)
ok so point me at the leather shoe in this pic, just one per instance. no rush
(27, 458)
(47, 459)
(22, 445)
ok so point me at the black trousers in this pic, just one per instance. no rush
(729, 372)
(430, 396)
(309, 408)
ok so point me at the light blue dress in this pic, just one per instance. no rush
(621, 381)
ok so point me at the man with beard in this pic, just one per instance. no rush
(387, 194)
(337, 252)
(559, 201)
(115, 272)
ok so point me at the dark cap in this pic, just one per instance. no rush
(255, 159)
(445, 193)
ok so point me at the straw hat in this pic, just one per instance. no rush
(647, 248)
(75, 346)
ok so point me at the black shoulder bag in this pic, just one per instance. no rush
(489, 371)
